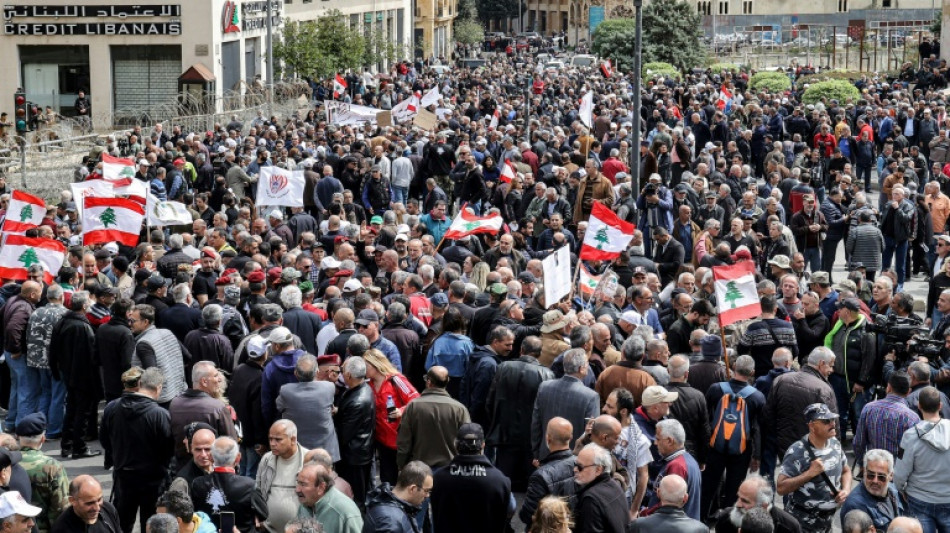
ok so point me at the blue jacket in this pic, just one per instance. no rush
(473, 391)
(437, 228)
(278, 372)
(881, 510)
(665, 207)
(389, 350)
(450, 350)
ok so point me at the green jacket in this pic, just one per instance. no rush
(335, 511)
(50, 486)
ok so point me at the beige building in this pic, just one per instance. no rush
(433, 27)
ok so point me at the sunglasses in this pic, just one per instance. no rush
(871, 476)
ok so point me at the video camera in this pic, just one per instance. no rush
(908, 338)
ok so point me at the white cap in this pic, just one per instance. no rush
(256, 346)
(112, 247)
(281, 335)
(276, 213)
(12, 503)
(329, 262)
(352, 285)
(143, 162)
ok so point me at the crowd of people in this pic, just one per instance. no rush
(344, 367)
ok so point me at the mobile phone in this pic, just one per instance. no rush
(226, 519)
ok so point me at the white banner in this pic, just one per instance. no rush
(557, 276)
(279, 187)
(405, 111)
(343, 114)
(586, 110)
(161, 213)
(431, 98)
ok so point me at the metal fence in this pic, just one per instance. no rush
(44, 161)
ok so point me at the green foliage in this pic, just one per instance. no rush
(616, 39)
(467, 9)
(659, 68)
(671, 33)
(468, 31)
(846, 75)
(716, 68)
(840, 90)
(324, 46)
(772, 82)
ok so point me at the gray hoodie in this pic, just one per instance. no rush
(921, 470)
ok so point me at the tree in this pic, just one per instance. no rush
(468, 31)
(28, 258)
(322, 47)
(108, 217)
(497, 9)
(616, 39)
(732, 294)
(671, 33)
(602, 238)
(26, 213)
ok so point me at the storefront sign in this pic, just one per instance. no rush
(230, 18)
(166, 28)
(255, 17)
(73, 11)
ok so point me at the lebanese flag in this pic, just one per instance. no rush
(19, 253)
(339, 85)
(466, 224)
(24, 212)
(507, 172)
(494, 119)
(736, 294)
(588, 281)
(137, 191)
(724, 103)
(586, 110)
(117, 170)
(606, 235)
(607, 68)
(111, 219)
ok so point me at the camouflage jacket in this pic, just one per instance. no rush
(50, 486)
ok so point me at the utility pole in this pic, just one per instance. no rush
(637, 72)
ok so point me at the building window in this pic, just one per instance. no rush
(746, 7)
(704, 7)
(842, 6)
(887, 3)
(724, 8)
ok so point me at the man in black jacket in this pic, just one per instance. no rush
(555, 473)
(354, 422)
(224, 491)
(689, 408)
(87, 510)
(471, 495)
(72, 360)
(601, 503)
(137, 438)
(115, 346)
(245, 396)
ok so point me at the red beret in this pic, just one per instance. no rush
(329, 359)
(223, 280)
(256, 277)
(274, 273)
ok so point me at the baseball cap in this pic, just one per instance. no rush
(527, 277)
(367, 317)
(439, 300)
(289, 274)
(656, 394)
(402, 237)
(376, 220)
(8, 458)
(232, 291)
(498, 288)
(631, 317)
(12, 503)
(851, 304)
(276, 213)
(256, 347)
(329, 262)
(352, 285)
(819, 411)
(281, 335)
(155, 282)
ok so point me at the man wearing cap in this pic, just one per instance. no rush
(471, 495)
(815, 475)
(279, 229)
(553, 324)
(244, 394)
(157, 287)
(279, 371)
(309, 402)
(87, 510)
(137, 438)
(855, 351)
(368, 324)
(18, 516)
(47, 476)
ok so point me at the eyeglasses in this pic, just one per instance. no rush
(580, 468)
(880, 476)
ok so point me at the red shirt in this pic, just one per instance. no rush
(402, 392)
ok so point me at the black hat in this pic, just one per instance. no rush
(192, 428)
(31, 425)
(8, 458)
(470, 439)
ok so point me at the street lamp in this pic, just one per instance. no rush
(638, 50)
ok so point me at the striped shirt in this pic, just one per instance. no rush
(882, 424)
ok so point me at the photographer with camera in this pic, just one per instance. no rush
(855, 349)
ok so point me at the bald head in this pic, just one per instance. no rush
(31, 290)
(905, 524)
(604, 430)
(673, 491)
(559, 433)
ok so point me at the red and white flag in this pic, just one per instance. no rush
(507, 172)
(724, 103)
(117, 170)
(339, 86)
(466, 224)
(407, 109)
(20, 253)
(24, 212)
(606, 236)
(607, 68)
(111, 219)
(494, 119)
(736, 293)
(137, 190)
(586, 110)
(588, 281)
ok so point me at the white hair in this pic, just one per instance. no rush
(291, 297)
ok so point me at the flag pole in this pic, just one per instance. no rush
(442, 240)
(725, 348)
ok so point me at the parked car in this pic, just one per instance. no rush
(583, 60)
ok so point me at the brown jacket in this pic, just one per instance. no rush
(603, 193)
(623, 374)
(552, 345)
